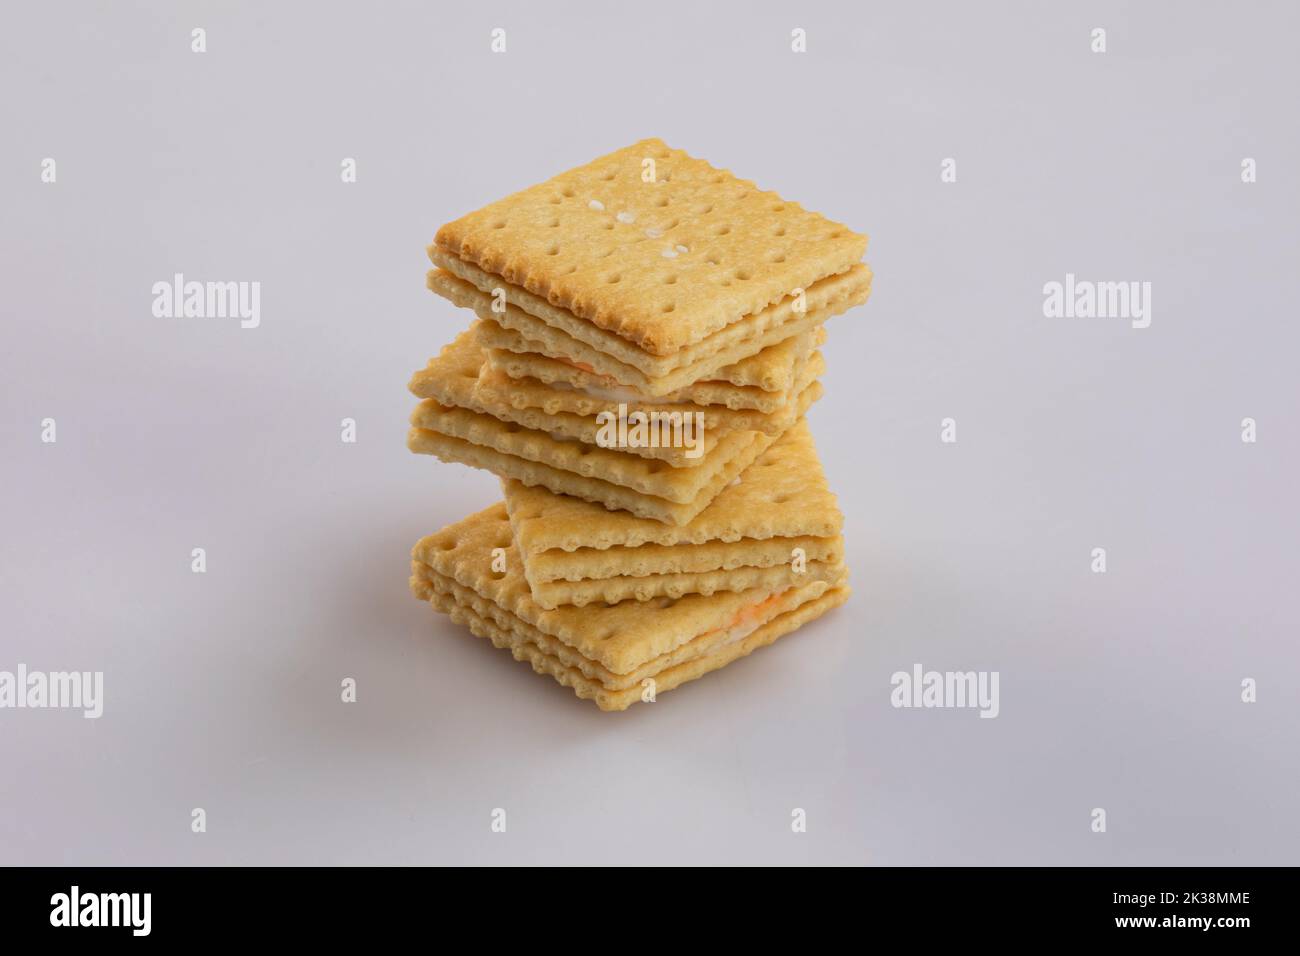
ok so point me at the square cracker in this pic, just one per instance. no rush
(648, 476)
(606, 591)
(668, 559)
(454, 415)
(594, 490)
(605, 242)
(536, 318)
(514, 330)
(524, 643)
(451, 378)
(426, 581)
(565, 413)
(645, 476)
(621, 637)
(784, 494)
(561, 386)
(530, 367)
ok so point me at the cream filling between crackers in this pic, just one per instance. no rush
(624, 394)
(614, 392)
(750, 618)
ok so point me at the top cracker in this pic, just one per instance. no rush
(653, 245)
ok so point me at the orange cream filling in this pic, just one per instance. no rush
(583, 366)
(749, 618)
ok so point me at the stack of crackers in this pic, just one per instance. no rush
(646, 343)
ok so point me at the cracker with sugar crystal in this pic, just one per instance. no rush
(536, 318)
(620, 637)
(513, 330)
(667, 559)
(604, 591)
(569, 414)
(652, 244)
(587, 688)
(592, 490)
(453, 411)
(783, 494)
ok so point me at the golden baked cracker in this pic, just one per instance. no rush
(569, 467)
(576, 386)
(620, 637)
(426, 582)
(452, 375)
(549, 371)
(782, 495)
(605, 372)
(772, 375)
(588, 429)
(665, 559)
(605, 591)
(513, 330)
(464, 359)
(678, 476)
(500, 396)
(649, 476)
(652, 244)
(544, 663)
(735, 386)
(602, 493)
(496, 392)
(536, 318)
